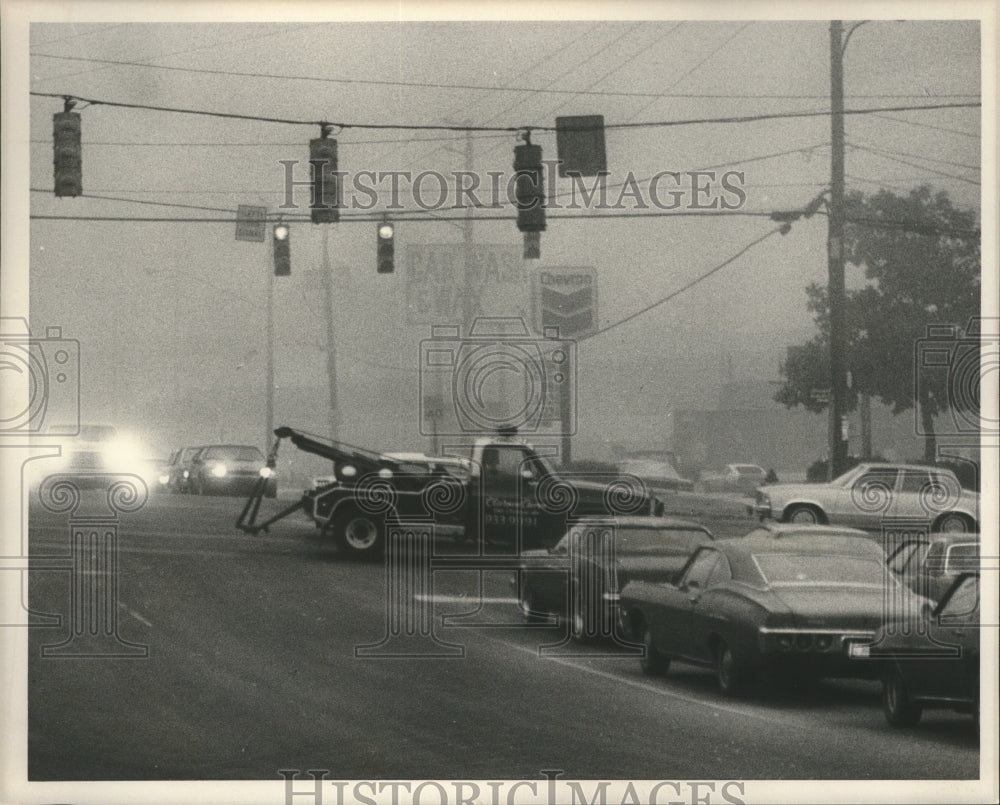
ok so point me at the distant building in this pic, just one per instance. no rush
(750, 426)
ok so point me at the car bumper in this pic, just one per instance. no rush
(826, 652)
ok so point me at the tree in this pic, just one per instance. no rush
(921, 258)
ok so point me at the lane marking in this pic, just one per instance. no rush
(462, 599)
(649, 687)
(134, 614)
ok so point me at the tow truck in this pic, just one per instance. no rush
(503, 491)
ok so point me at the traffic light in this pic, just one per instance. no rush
(385, 235)
(326, 183)
(529, 196)
(282, 250)
(67, 156)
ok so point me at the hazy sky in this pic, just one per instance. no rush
(170, 315)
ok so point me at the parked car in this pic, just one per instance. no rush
(930, 657)
(232, 469)
(179, 469)
(580, 576)
(657, 474)
(870, 494)
(741, 478)
(783, 598)
(930, 564)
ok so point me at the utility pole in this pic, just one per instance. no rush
(468, 308)
(331, 342)
(835, 251)
(269, 371)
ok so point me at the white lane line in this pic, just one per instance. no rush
(646, 686)
(134, 614)
(462, 599)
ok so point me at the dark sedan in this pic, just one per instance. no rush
(232, 469)
(930, 658)
(783, 598)
(580, 575)
(929, 564)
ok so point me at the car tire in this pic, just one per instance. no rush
(900, 710)
(804, 515)
(652, 662)
(733, 675)
(358, 533)
(954, 523)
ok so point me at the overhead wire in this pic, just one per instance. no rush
(483, 87)
(733, 119)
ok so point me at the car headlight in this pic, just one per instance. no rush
(348, 471)
(266, 472)
(218, 470)
(164, 479)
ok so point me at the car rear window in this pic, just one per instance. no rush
(680, 541)
(234, 453)
(816, 569)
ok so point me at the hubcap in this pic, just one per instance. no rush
(361, 533)
(804, 516)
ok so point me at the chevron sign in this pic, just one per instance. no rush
(566, 298)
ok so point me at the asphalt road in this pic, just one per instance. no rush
(252, 668)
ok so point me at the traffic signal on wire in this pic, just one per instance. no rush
(326, 184)
(67, 154)
(282, 250)
(529, 196)
(385, 235)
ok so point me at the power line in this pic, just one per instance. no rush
(873, 149)
(410, 216)
(684, 288)
(975, 136)
(340, 143)
(484, 87)
(921, 167)
(510, 129)
(81, 34)
(211, 46)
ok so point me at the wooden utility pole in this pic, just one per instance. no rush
(835, 250)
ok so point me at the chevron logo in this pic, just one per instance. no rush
(567, 298)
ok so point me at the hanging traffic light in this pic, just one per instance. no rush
(282, 250)
(326, 184)
(385, 236)
(529, 195)
(67, 154)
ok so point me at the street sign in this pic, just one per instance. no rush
(436, 281)
(251, 223)
(566, 298)
(580, 146)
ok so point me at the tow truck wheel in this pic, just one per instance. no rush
(358, 533)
